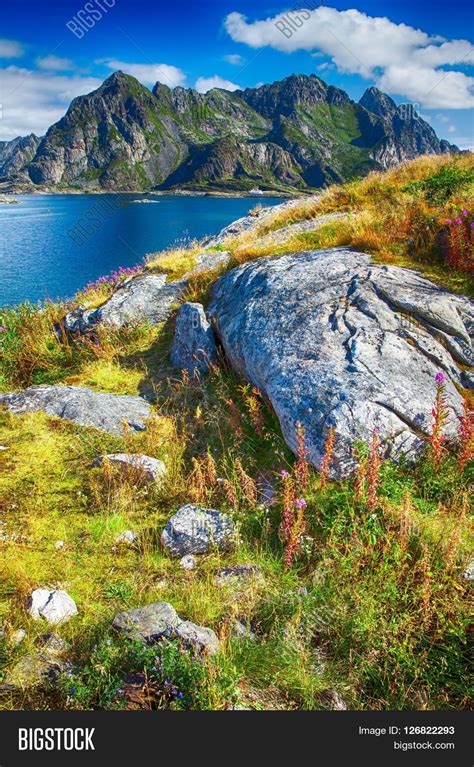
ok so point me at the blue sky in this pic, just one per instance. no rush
(418, 52)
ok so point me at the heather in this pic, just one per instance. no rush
(361, 594)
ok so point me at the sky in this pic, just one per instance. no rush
(418, 52)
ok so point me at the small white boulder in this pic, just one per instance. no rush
(54, 606)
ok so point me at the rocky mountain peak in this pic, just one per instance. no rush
(378, 102)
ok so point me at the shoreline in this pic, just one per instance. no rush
(158, 193)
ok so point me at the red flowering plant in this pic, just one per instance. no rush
(460, 242)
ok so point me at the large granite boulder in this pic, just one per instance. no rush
(194, 530)
(82, 406)
(334, 340)
(147, 468)
(194, 346)
(160, 620)
(148, 298)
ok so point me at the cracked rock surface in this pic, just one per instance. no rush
(334, 340)
(160, 620)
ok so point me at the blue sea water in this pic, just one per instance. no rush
(53, 245)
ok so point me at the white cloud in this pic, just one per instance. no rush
(55, 64)
(399, 58)
(32, 100)
(325, 66)
(235, 59)
(204, 84)
(11, 49)
(149, 74)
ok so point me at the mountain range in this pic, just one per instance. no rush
(295, 134)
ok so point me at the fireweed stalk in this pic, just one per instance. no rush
(302, 469)
(466, 436)
(293, 518)
(327, 458)
(373, 471)
(440, 419)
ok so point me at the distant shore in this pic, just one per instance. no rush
(144, 193)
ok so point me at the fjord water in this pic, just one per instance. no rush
(40, 259)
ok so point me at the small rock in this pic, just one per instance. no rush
(194, 347)
(59, 545)
(468, 573)
(32, 670)
(159, 620)
(150, 469)
(17, 637)
(53, 644)
(335, 701)
(237, 573)
(239, 629)
(189, 562)
(2, 447)
(128, 536)
(55, 606)
(194, 530)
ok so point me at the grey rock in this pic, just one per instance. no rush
(189, 562)
(194, 530)
(237, 573)
(147, 298)
(40, 666)
(468, 573)
(128, 537)
(17, 637)
(54, 606)
(160, 620)
(32, 670)
(336, 341)
(82, 406)
(209, 260)
(194, 347)
(240, 629)
(150, 469)
(53, 644)
(467, 380)
(336, 702)
(59, 545)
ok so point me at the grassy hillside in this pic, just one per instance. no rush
(370, 606)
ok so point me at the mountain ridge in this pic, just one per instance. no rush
(291, 135)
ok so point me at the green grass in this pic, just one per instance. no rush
(374, 608)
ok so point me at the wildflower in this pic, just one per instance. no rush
(464, 212)
(448, 221)
(285, 473)
(327, 458)
(373, 473)
(300, 503)
(440, 419)
(458, 221)
(3, 329)
(466, 436)
(302, 465)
